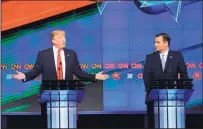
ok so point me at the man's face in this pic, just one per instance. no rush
(160, 44)
(59, 41)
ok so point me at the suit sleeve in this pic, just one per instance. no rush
(82, 74)
(182, 68)
(147, 73)
(36, 71)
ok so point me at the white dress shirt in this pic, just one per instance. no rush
(55, 50)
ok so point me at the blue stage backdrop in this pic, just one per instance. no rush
(110, 36)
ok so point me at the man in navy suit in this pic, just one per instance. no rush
(50, 60)
(57, 63)
(162, 64)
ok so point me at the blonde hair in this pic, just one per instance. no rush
(57, 32)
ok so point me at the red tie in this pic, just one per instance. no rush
(59, 67)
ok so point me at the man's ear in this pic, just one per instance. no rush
(166, 42)
(53, 42)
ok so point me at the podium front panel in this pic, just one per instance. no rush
(169, 114)
(62, 107)
(62, 114)
(169, 97)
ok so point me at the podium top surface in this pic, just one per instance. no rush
(62, 95)
(169, 94)
(172, 80)
(171, 84)
(63, 84)
(62, 92)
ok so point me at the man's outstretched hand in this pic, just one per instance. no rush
(18, 75)
(99, 76)
(102, 76)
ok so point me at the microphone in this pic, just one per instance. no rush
(155, 52)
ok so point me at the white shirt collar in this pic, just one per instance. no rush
(165, 53)
(56, 49)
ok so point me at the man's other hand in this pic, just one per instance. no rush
(18, 75)
(102, 76)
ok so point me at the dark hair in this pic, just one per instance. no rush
(165, 36)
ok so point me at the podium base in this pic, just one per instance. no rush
(169, 114)
(62, 114)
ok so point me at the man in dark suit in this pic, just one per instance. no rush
(162, 64)
(57, 63)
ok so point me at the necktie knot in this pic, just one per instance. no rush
(59, 50)
(163, 56)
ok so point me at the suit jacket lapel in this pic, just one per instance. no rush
(167, 60)
(67, 56)
(158, 60)
(52, 61)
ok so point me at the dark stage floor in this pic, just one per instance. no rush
(96, 121)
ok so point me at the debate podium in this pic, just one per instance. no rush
(169, 98)
(62, 97)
